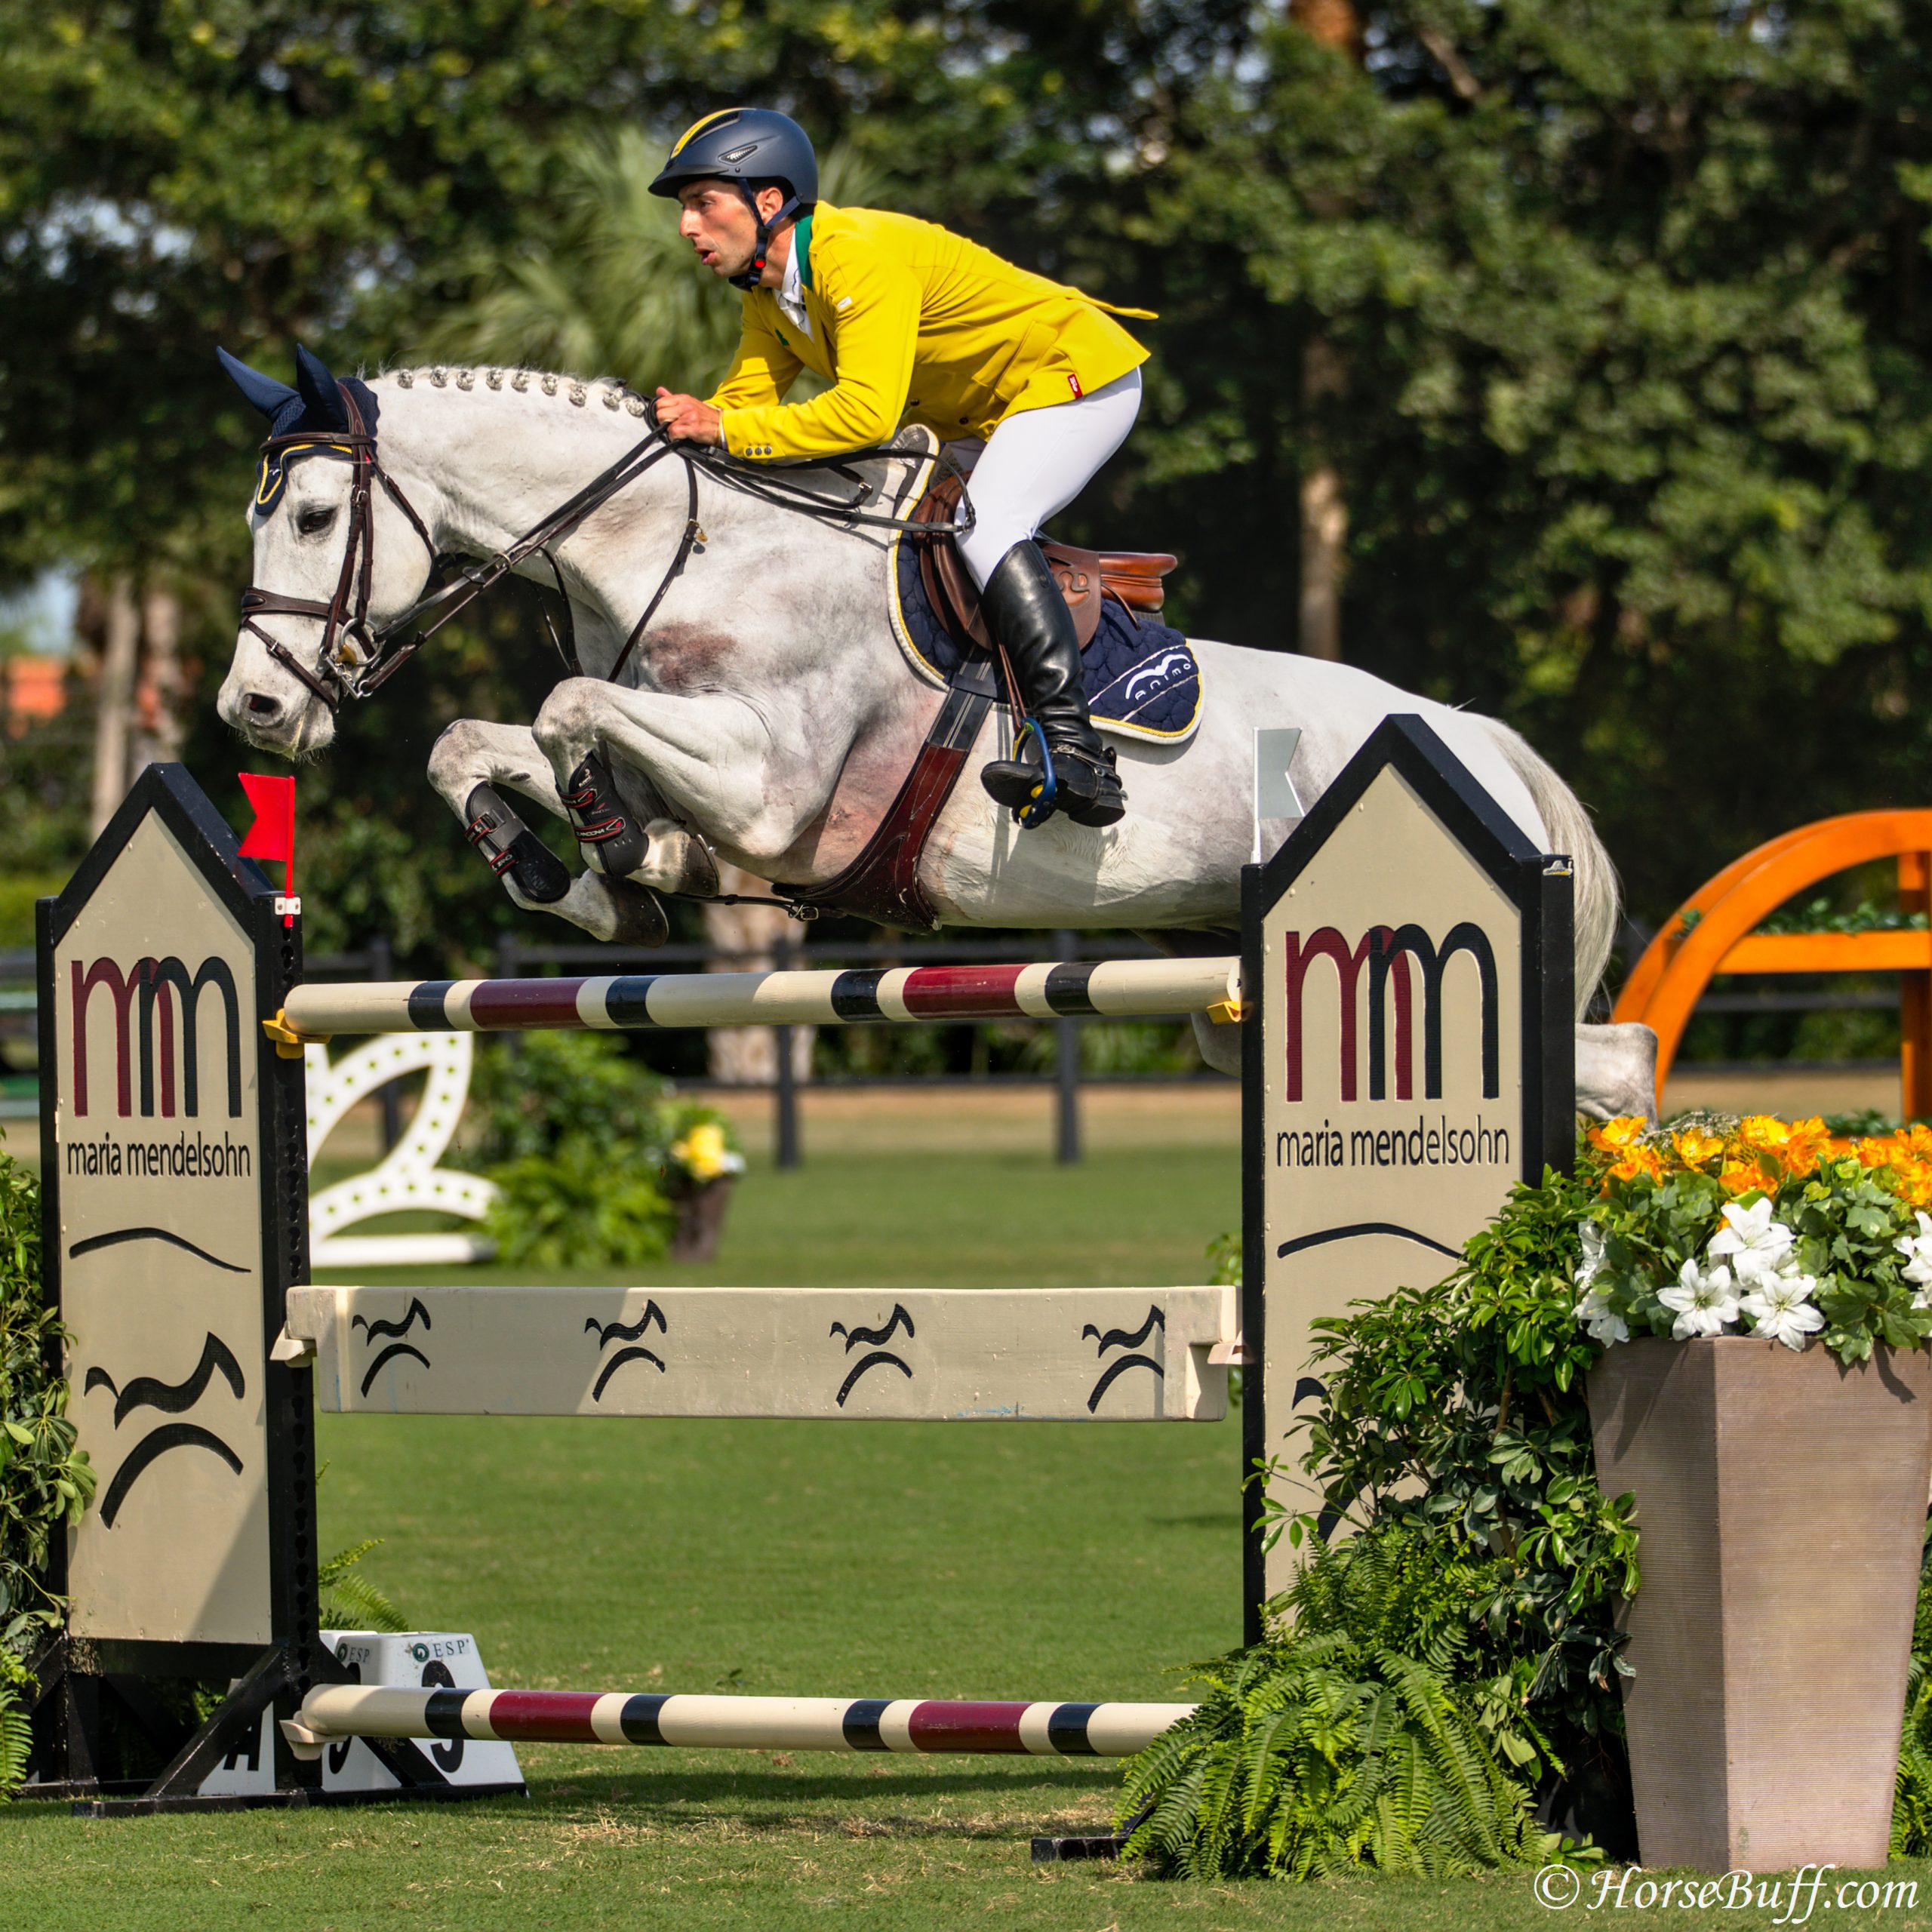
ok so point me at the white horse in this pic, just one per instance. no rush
(768, 713)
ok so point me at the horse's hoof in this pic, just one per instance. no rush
(641, 919)
(537, 873)
(700, 880)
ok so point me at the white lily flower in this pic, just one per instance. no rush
(1705, 1300)
(1778, 1309)
(1751, 1241)
(1592, 1235)
(1917, 1250)
(1604, 1322)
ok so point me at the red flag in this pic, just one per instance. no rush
(272, 834)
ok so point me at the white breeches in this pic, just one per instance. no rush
(1036, 463)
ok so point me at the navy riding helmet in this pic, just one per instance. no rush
(745, 145)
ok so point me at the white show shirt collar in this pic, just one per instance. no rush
(791, 289)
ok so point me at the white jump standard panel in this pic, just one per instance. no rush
(926, 1725)
(1102, 1355)
(1107, 989)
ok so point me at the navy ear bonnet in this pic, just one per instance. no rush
(317, 404)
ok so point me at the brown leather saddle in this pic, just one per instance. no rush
(882, 883)
(1131, 578)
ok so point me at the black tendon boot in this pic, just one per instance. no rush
(615, 844)
(1027, 614)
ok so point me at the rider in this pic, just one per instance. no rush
(908, 322)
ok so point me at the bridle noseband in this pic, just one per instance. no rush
(357, 659)
(351, 662)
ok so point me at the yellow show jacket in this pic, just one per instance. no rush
(910, 323)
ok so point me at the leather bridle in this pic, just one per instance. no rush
(356, 659)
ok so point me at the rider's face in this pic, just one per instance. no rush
(719, 223)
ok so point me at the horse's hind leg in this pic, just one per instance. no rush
(469, 762)
(676, 859)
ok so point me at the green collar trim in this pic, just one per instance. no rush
(802, 243)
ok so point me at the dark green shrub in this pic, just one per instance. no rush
(589, 1150)
(45, 1482)
(585, 1203)
(530, 1098)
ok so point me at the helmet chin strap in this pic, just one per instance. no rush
(754, 273)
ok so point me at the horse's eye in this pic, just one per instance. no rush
(312, 522)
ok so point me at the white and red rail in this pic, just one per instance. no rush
(922, 1725)
(1104, 988)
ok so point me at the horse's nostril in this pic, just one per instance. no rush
(263, 710)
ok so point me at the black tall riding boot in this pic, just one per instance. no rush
(1027, 614)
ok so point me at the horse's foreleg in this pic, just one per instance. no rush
(705, 754)
(469, 761)
(467, 765)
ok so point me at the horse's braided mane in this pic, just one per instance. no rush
(612, 393)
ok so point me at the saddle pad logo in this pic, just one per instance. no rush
(1146, 682)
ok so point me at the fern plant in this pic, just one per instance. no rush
(1460, 1409)
(1347, 1738)
(350, 1602)
(16, 1733)
(1911, 1799)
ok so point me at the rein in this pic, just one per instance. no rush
(357, 659)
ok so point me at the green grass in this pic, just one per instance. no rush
(872, 1559)
(1131, 1217)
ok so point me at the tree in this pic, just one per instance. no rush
(1629, 302)
(251, 173)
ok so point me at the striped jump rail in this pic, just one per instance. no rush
(1106, 988)
(929, 1725)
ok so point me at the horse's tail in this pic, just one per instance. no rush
(1566, 825)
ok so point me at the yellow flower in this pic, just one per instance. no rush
(1638, 1160)
(1764, 1132)
(1739, 1174)
(702, 1153)
(1808, 1145)
(1694, 1146)
(1615, 1135)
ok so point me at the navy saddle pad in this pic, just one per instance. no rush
(1141, 676)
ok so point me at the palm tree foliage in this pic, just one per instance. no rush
(1350, 1736)
(606, 285)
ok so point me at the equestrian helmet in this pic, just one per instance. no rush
(744, 145)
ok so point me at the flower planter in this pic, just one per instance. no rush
(701, 1220)
(1781, 1505)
